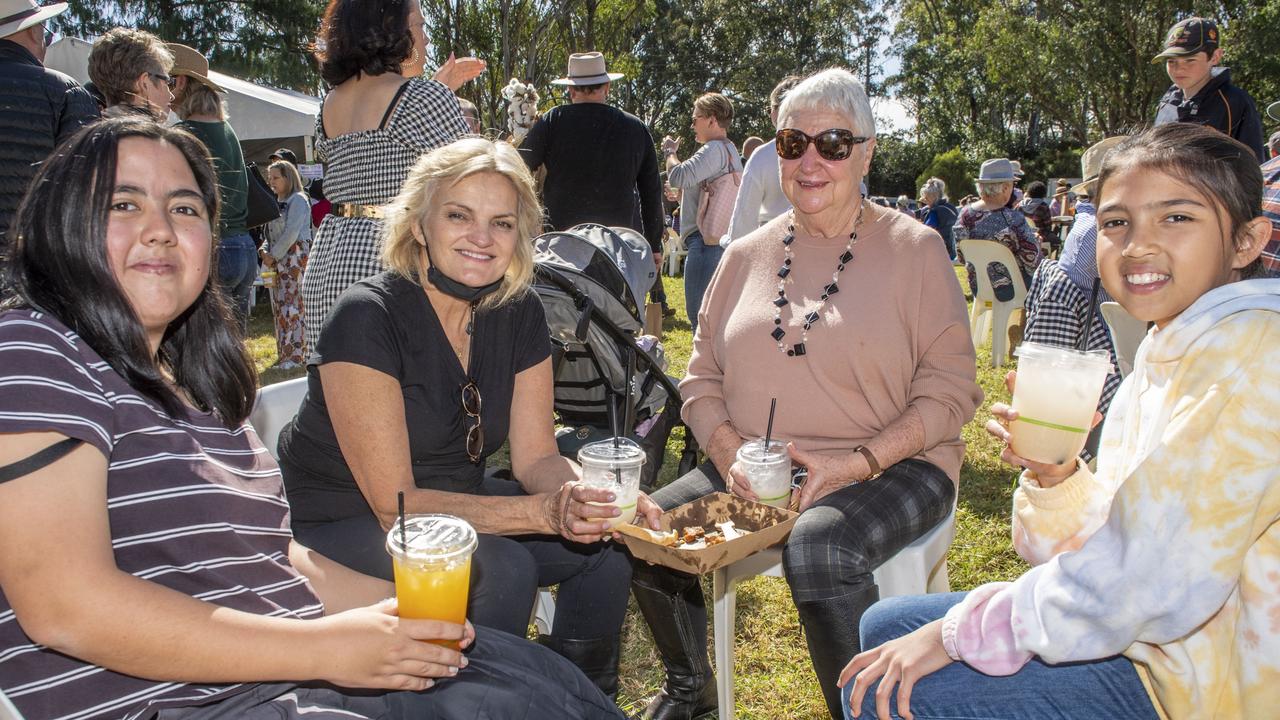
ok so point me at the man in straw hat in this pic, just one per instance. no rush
(1058, 308)
(597, 157)
(42, 107)
(1202, 93)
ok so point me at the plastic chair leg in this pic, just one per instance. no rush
(724, 595)
(1000, 332)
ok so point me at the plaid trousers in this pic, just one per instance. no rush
(838, 541)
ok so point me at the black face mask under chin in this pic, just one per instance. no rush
(455, 289)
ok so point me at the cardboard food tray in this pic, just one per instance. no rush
(768, 525)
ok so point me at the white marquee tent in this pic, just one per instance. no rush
(264, 118)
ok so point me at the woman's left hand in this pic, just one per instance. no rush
(898, 663)
(826, 473)
(456, 71)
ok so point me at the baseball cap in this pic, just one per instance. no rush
(285, 154)
(1188, 37)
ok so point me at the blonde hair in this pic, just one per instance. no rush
(444, 167)
(199, 99)
(289, 172)
(715, 105)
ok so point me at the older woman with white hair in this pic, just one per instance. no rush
(424, 371)
(849, 315)
(938, 212)
(990, 218)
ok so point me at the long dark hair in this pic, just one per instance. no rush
(1219, 167)
(59, 266)
(363, 36)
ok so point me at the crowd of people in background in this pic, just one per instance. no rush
(131, 248)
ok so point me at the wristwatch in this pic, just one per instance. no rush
(871, 461)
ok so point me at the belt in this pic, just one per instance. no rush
(352, 210)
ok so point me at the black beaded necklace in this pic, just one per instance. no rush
(781, 301)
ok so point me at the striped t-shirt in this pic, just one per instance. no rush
(193, 506)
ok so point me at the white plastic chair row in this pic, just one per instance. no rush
(988, 312)
(674, 252)
(918, 568)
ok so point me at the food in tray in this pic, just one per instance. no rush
(696, 537)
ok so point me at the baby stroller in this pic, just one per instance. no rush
(593, 281)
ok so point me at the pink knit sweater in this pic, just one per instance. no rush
(894, 339)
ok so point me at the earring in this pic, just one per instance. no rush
(413, 59)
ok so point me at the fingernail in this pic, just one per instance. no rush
(428, 684)
(465, 662)
(453, 670)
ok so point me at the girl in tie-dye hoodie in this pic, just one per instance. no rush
(1156, 591)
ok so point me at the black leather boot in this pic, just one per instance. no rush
(831, 630)
(597, 658)
(673, 606)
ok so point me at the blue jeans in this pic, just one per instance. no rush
(1107, 688)
(237, 268)
(699, 265)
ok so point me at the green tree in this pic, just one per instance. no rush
(263, 40)
(955, 169)
(894, 166)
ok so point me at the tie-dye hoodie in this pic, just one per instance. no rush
(1171, 553)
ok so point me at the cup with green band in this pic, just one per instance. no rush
(768, 469)
(1056, 395)
(615, 465)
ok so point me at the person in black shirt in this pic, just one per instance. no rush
(1202, 93)
(424, 371)
(597, 157)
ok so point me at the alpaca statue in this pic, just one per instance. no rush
(522, 108)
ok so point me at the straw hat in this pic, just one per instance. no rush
(1273, 110)
(1091, 163)
(18, 15)
(189, 62)
(587, 69)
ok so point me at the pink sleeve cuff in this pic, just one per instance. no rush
(979, 631)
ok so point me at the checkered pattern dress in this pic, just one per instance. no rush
(367, 167)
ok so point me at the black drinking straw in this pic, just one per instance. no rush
(400, 503)
(1083, 343)
(768, 431)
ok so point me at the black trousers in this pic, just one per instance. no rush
(506, 572)
(842, 538)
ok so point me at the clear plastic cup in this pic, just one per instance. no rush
(1056, 396)
(433, 567)
(768, 469)
(617, 468)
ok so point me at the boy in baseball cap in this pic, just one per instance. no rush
(1202, 92)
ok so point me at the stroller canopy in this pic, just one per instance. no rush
(617, 259)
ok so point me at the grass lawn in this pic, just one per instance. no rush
(772, 671)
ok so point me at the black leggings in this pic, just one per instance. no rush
(506, 572)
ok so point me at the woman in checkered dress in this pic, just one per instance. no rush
(366, 58)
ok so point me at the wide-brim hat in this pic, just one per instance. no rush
(18, 15)
(997, 170)
(587, 69)
(1273, 110)
(188, 61)
(1091, 163)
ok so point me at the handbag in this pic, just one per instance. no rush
(263, 207)
(715, 204)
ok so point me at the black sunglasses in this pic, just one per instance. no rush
(169, 80)
(834, 144)
(475, 434)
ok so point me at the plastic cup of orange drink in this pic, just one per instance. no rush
(432, 562)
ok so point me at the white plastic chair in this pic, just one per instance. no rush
(918, 568)
(1127, 333)
(675, 252)
(987, 311)
(275, 407)
(7, 710)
